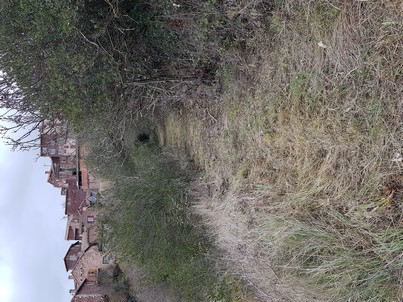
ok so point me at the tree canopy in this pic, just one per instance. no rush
(81, 60)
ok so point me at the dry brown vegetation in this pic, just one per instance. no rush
(303, 181)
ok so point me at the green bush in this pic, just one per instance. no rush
(149, 222)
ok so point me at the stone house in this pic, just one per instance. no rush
(88, 222)
(62, 170)
(89, 265)
(57, 145)
(76, 199)
(49, 144)
(83, 227)
(74, 229)
(62, 151)
(75, 205)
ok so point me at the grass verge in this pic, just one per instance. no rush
(148, 222)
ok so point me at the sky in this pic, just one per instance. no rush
(32, 229)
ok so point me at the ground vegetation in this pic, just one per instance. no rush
(254, 147)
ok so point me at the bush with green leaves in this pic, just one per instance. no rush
(148, 221)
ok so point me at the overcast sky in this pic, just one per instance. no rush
(32, 229)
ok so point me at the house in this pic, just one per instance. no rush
(72, 256)
(56, 141)
(54, 145)
(76, 204)
(89, 265)
(89, 291)
(62, 151)
(61, 170)
(76, 199)
(89, 225)
(74, 229)
(70, 147)
(83, 227)
(48, 144)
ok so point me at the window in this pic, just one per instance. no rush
(77, 235)
(91, 273)
(90, 219)
(105, 259)
(52, 151)
(44, 150)
(92, 198)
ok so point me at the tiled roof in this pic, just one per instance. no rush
(91, 296)
(70, 234)
(75, 198)
(73, 250)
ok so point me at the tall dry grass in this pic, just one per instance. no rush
(303, 186)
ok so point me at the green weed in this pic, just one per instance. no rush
(149, 222)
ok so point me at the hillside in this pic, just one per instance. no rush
(254, 147)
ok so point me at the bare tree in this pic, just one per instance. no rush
(21, 123)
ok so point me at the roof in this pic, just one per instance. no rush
(72, 226)
(75, 198)
(69, 229)
(86, 296)
(70, 233)
(68, 252)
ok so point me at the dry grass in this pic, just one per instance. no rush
(145, 292)
(300, 185)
